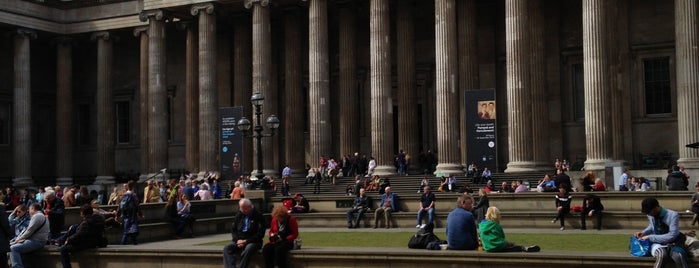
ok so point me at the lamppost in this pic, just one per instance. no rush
(272, 124)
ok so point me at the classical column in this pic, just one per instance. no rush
(537, 74)
(242, 79)
(293, 121)
(687, 81)
(468, 64)
(208, 103)
(381, 102)
(405, 65)
(262, 68)
(519, 107)
(157, 93)
(64, 111)
(596, 82)
(142, 34)
(105, 109)
(447, 92)
(348, 106)
(318, 81)
(191, 96)
(22, 109)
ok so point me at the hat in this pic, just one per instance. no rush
(649, 204)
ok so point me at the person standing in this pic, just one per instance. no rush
(360, 206)
(676, 180)
(461, 227)
(129, 213)
(283, 230)
(33, 238)
(427, 203)
(54, 210)
(663, 230)
(624, 181)
(387, 205)
(246, 235)
(88, 235)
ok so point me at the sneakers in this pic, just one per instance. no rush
(423, 225)
(532, 249)
(562, 228)
(554, 220)
(417, 226)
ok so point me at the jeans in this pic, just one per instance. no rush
(27, 246)
(430, 216)
(232, 249)
(350, 217)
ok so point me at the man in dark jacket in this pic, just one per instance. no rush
(6, 233)
(676, 180)
(361, 204)
(247, 233)
(88, 235)
(54, 209)
(592, 206)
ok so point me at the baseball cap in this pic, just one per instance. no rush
(648, 204)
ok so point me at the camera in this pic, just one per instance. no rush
(275, 238)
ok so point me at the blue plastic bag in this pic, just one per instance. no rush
(639, 248)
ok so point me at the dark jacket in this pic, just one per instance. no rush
(256, 227)
(6, 232)
(595, 205)
(677, 181)
(56, 215)
(89, 233)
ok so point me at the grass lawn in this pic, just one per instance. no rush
(572, 242)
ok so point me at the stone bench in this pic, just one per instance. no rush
(210, 257)
(158, 231)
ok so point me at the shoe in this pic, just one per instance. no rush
(418, 192)
(417, 226)
(423, 225)
(562, 228)
(554, 220)
(532, 249)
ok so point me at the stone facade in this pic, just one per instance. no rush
(620, 101)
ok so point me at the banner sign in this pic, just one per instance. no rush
(231, 142)
(481, 128)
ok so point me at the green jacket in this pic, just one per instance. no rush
(492, 236)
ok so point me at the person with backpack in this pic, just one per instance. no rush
(88, 235)
(128, 213)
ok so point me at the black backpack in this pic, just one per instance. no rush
(423, 237)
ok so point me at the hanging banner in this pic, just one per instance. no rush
(231, 142)
(481, 128)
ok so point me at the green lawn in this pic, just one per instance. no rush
(572, 242)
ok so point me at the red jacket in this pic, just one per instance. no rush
(291, 224)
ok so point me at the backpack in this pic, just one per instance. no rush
(127, 206)
(423, 237)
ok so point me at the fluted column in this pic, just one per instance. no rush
(405, 65)
(22, 109)
(105, 109)
(208, 103)
(687, 81)
(293, 121)
(381, 104)
(519, 108)
(468, 64)
(157, 93)
(191, 96)
(447, 92)
(262, 68)
(348, 106)
(64, 111)
(242, 78)
(142, 34)
(318, 80)
(596, 82)
(537, 74)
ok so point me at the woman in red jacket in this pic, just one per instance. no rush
(282, 232)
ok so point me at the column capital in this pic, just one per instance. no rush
(249, 3)
(156, 14)
(137, 31)
(206, 7)
(104, 35)
(25, 32)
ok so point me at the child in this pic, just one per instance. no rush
(563, 200)
(493, 237)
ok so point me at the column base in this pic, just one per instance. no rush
(104, 180)
(271, 172)
(449, 168)
(523, 166)
(688, 163)
(385, 171)
(22, 182)
(596, 164)
(66, 181)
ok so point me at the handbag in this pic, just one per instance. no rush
(639, 248)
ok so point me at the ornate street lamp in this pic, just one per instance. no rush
(272, 124)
